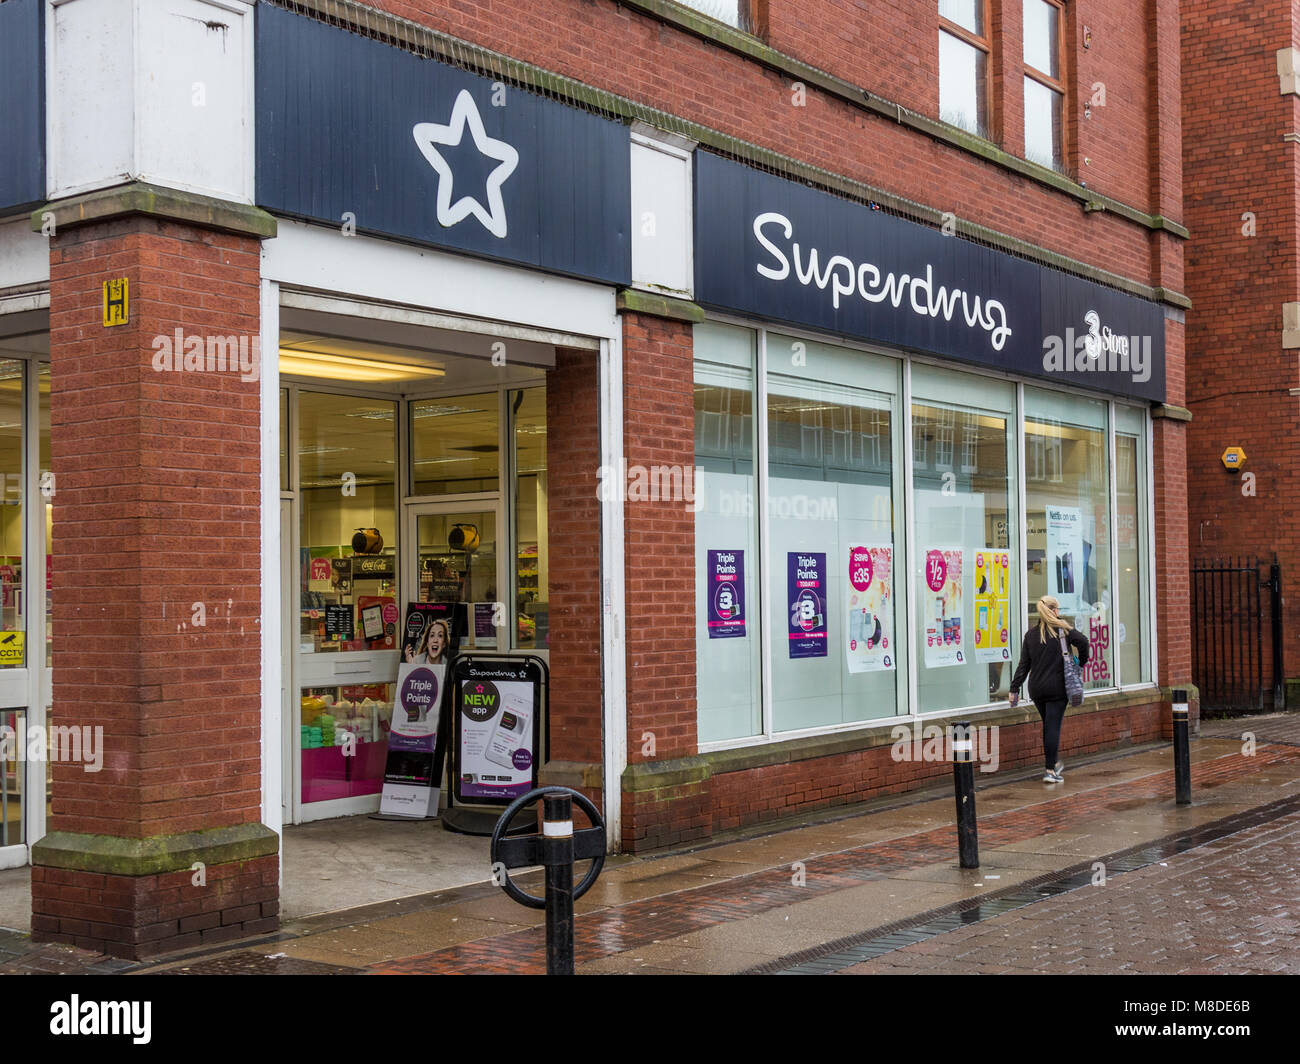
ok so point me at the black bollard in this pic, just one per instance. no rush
(963, 778)
(1182, 755)
(557, 856)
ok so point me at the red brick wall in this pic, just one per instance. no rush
(573, 524)
(1238, 374)
(144, 916)
(891, 48)
(156, 508)
(659, 430)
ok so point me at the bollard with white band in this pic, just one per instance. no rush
(1182, 754)
(963, 777)
(555, 849)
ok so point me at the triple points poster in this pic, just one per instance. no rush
(806, 602)
(725, 580)
(992, 606)
(941, 607)
(409, 787)
(868, 639)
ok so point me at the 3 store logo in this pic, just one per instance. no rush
(430, 135)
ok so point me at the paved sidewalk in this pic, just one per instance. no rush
(1230, 907)
(754, 902)
(746, 904)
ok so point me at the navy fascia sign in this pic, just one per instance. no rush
(22, 103)
(779, 250)
(352, 129)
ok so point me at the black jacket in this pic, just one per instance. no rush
(1043, 664)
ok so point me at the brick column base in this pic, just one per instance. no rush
(142, 898)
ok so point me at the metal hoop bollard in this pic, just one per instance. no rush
(555, 849)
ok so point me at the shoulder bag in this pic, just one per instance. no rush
(1073, 680)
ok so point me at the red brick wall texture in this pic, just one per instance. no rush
(1241, 206)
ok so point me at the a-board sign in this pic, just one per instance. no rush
(497, 704)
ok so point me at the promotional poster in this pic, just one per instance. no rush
(806, 599)
(868, 636)
(725, 577)
(496, 738)
(426, 635)
(409, 787)
(941, 608)
(992, 606)
(1065, 561)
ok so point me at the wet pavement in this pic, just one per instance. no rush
(1211, 887)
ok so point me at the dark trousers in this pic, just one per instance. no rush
(1052, 713)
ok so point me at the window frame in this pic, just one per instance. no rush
(1057, 85)
(982, 44)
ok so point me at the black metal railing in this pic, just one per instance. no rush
(1237, 633)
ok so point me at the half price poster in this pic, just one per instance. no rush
(868, 639)
(992, 606)
(806, 599)
(941, 608)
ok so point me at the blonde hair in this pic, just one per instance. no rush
(1049, 617)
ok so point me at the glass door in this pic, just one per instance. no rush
(453, 555)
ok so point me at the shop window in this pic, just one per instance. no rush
(1132, 593)
(728, 629)
(455, 445)
(531, 549)
(963, 65)
(1044, 84)
(284, 439)
(346, 465)
(1068, 543)
(12, 582)
(966, 569)
(832, 556)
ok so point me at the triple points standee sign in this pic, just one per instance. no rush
(351, 131)
(782, 251)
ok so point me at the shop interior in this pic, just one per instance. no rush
(413, 470)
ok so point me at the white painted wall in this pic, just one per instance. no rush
(661, 212)
(24, 255)
(150, 90)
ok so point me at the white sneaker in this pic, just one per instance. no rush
(1060, 769)
(1052, 776)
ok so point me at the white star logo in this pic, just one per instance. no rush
(429, 134)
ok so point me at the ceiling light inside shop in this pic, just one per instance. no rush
(347, 367)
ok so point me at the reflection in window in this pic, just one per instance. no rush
(1068, 553)
(963, 65)
(532, 544)
(455, 444)
(346, 463)
(11, 503)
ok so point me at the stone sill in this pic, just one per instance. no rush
(649, 776)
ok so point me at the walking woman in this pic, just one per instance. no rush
(1041, 660)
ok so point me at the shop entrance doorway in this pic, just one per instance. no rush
(413, 470)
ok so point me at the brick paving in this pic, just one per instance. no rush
(618, 929)
(1283, 728)
(1229, 907)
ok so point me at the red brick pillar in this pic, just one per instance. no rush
(1172, 579)
(666, 790)
(573, 589)
(157, 579)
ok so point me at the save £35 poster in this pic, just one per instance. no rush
(868, 645)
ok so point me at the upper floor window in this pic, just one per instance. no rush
(1044, 84)
(732, 12)
(963, 64)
